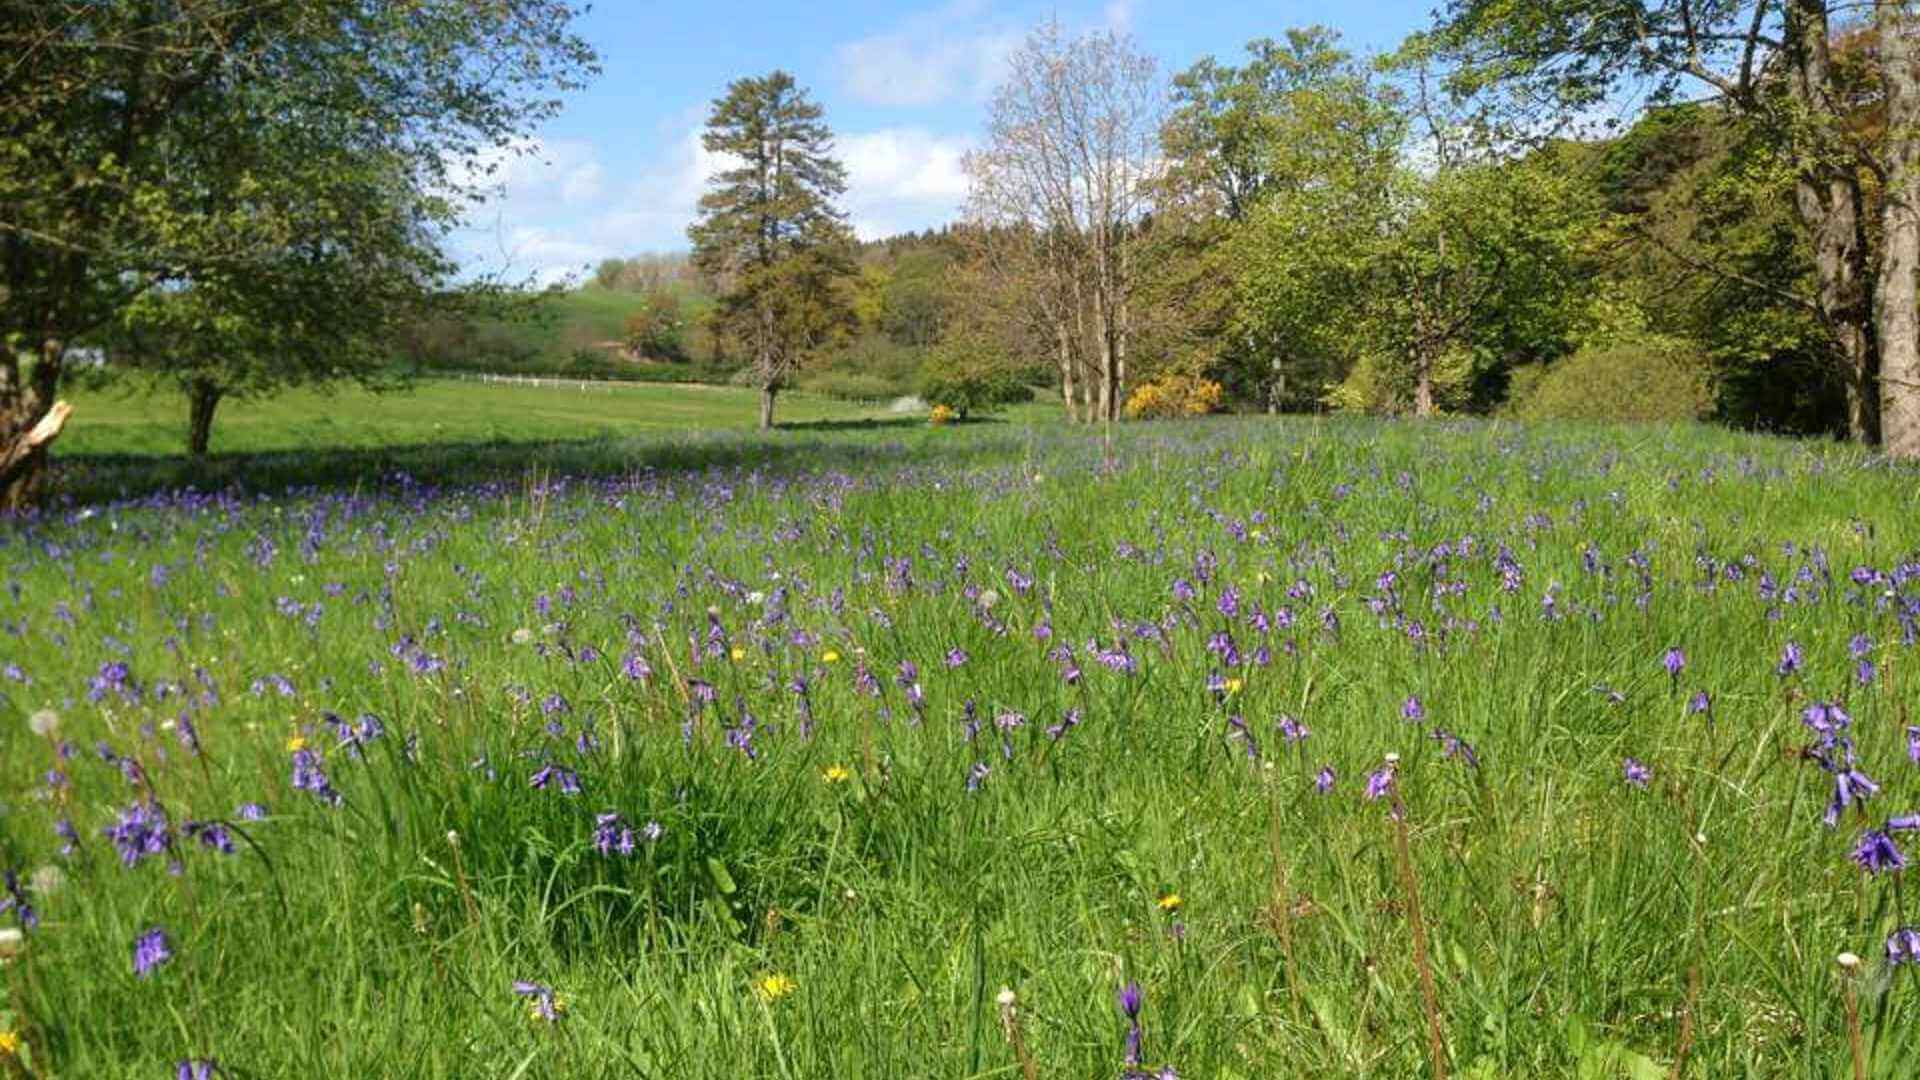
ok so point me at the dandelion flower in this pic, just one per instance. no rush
(831, 656)
(1234, 684)
(836, 774)
(9, 1043)
(774, 986)
(296, 743)
(1171, 902)
(738, 654)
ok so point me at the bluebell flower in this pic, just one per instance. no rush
(151, 950)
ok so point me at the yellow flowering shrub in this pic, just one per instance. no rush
(1173, 395)
(942, 415)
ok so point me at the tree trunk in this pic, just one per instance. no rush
(203, 396)
(1423, 385)
(1898, 287)
(1828, 200)
(766, 407)
(23, 457)
(1063, 341)
(30, 419)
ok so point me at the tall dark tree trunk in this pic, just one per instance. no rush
(766, 407)
(1828, 199)
(203, 396)
(1898, 287)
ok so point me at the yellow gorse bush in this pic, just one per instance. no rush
(1173, 395)
(942, 415)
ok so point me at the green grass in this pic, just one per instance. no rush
(490, 628)
(111, 421)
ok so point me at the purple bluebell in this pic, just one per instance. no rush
(565, 780)
(1913, 744)
(151, 950)
(212, 835)
(1791, 657)
(1637, 772)
(543, 1002)
(1903, 946)
(198, 1069)
(1380, 782)
(309, 776)
(1877, 854)
(1452, 746)
(1701, 703)
(1675, 661)
(251, 811)
(1292, 730)
(956, 656)
(141, 832)
(16, 901)
(1068, 721)
(1413, 710)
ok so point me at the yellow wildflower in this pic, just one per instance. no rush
(296, 743)
(836, 774)
(1234, 685)
(1171, 902)
(738, 654)
(774, 986)
(9, 1043)
(830, 657)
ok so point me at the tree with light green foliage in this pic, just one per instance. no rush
(769, 234)
(251, 150)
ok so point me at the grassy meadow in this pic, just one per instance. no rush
(1258, 748)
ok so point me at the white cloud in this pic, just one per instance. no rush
(555, 220)
(956, 52)
(902, 178)
(1118, 15)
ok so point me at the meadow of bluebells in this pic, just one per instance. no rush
(795, 764)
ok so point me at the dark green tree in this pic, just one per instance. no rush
(769, 235)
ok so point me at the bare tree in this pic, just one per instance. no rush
(1071, 157)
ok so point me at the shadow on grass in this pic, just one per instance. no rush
(86, 479)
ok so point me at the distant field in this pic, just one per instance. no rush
(433, 412)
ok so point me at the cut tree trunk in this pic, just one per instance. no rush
(1898, 288)
(1423, 398)
(203, 396)
(23, 458)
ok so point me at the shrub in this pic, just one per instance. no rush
(1649, 380)
(1173, 395)
(941, 415)
(970, 377)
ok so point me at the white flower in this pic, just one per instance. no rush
(45, 723)
(756, 598)
(989, 598)
(12, 942)
(1847, 960)
(522, 636)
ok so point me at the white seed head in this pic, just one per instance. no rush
(453, 838)
(1007, 998)
(47, 880)
(1393, 759)
(44, 723)
(756, 598)
(1847, 960)
(12, 942)
(522, 636)
(989, 598)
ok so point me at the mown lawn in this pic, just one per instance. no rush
(113, 421)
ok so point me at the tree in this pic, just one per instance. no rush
(1773, 65)
(769, 235)
(1064, 186)
(229, 146)
(1278, 173)
(656, 330)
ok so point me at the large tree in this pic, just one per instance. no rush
(1066, 178)
(1849, 136)
(224, 144)
(769, 234)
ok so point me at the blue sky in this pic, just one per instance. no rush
(904, 87)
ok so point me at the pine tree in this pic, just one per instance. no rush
(769, 235)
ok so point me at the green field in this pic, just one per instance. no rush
(432, 411)
(784, 756)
